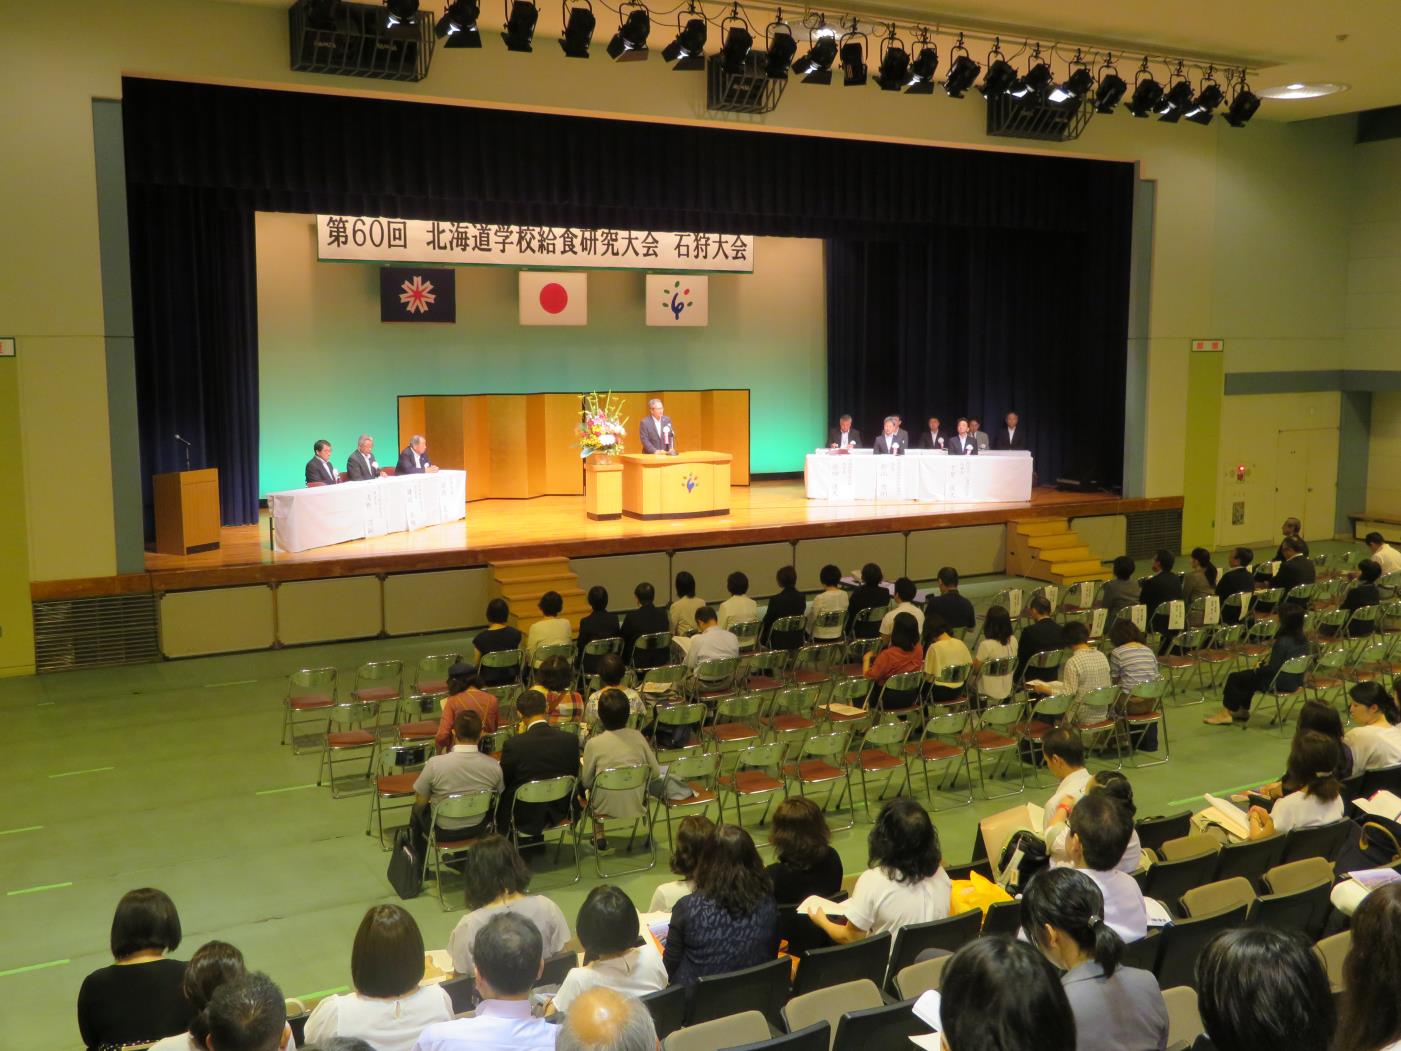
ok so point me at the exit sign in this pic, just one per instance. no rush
(1208, 346)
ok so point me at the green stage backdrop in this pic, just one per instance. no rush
(328, 368)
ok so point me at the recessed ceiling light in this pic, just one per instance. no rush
(1301, 91)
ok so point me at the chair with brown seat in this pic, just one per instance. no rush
(621, 782)
(346, 735)
(310, 691)
(753, 777)
(899, 694)
(844, 694)
(430, 677)
(713, 680)
(1140, 708)
(820, 762)
(791, 715)
(697, 771)
(853, 661)
(813, 664)
(380, 683)
(942, 748)
(992, 736)
(394, 769)
(1047, 712)
(735, 724)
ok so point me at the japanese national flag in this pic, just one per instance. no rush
(676, 300)
(549, 298)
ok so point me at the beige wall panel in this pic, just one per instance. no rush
(619, 574)
(221, 620)
(440, 601)
(850, 553)
(712, 566)
(327, 610)
(412, 420)
(972, 550)
(1105, 535)
(563, 472)
(442, 427)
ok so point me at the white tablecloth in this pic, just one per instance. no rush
(988, 478)
(333, 514)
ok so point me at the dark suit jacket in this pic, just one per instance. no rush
(1279, 551)
(931, 441)
(956, 610)
(1037, 638)
(651, 440)
(966, 446)
(882, 445)
(834, 436)
(644, 620)
(319, 470)
(597, 625)
(1004, 441)
(406, 463)
(1159, 588)
(787, 603)
(1229, 583)
(356, 471)
(541, 752)
(866, 597)
(1298, 570)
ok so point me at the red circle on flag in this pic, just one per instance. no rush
(553, 298)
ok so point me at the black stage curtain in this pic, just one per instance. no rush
(223, 152)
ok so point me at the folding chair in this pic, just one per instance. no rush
(1365, 621)
(853, 659)
(1236, 607)
(430, 676)
(1223, 650)
(751, 779)
(1282, 698)
(791, 715)
(747, 632)
(594, 651)
(683, 721)
(549, 790)
(310, 691)
(812, 664)
(993, 734)
(1182, 659)
(1259, 638)
(345, 734)
(821, 762)
(838, 964)
(786, 633)
(380, 683)
(943, 746)
(1094, 715)
(548, 651)
(1047, 712)
(880, 753)
(866, 623)
(828, 626)
(1138, 709)
(651, 651)
(631, 779)
(1044, 666)
(735, 724)
(714, 679)
(1330, 626)
(664, 683)
(899, 694)
(949, 677)
(394, 771)
(501, 667)
(767, 669)
(475, 807)
(854, 693)
(997, 668)
(699, 771)
(1326, 679)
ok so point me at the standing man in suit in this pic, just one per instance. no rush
(844, 435)
(1234, 580)
(1163, 586)
(1010, 436)
(362, 465)
(536, 752)
(963, 443)
(656, 432)
(975, 428)
(318, 468)
(414, 458)
(889, 442)
(931, 438)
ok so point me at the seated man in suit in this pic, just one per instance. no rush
(888, 441)
(956, 611)
(844, 435)
(318, 468)
(414, 458)
(1010, 436)
(963, 443)
(1163, 586)
(1235, 579)
(362, 465)
(975, 428)
(655, 430)
(1296, 568)
(537, 752)
(932, 438)
(1042, 634)
(1289, 528)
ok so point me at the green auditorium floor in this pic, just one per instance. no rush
(170, 775)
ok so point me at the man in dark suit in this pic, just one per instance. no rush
(1290, 528)
(932, 438)
(538, 752)
(646, 619)
(598, 624)
(362, 465)
(889, 441)
(655, 430)
(1010, 436)
(1163, 586)
(318, 468)
(1234, 580)
(1297, 568)
(963, 443)
(1042, 634)
(844, 435)
(414, 458)
(955, 610)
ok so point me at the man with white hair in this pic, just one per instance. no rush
(656, 431)
(362, 465)
(604, 1019)
(414, 458)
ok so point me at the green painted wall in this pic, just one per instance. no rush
(328, 368)
(16, 620)
(1203, 436)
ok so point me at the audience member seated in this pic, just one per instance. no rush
(712, 643)
(1163, 586)
(1200, 580)
(465, 695)
(868, 595)
(1290, 528)
(692, 834)
(789, 602)
(903, 654)
(956, 610)
(1383, 554)
(1115, 1007)
(464, 769)
(497, 879)
(508, 957)
(247, 1014)
(1263, 989)
(905, 880)
(739, 608)
(1321, 717)
(213, 964)
(1131, 661)
(537, 752)
(611, 673)
(1242, 686)
(1296, 568)
(1122, 591)
(1100, 831)
(617, 745)
(1363, 593)
(1115, 785)
(831, 599)
(388, 1008)
(1234, 581)
(806, 863)
(944, 654)
(681, 616)
(1084, 670)
(1375, 737)
(997, 642)
(615, 954)
(730, 921)
(1313, 761)
(498, 635)
(139, 998)
(554, 681)
(1064, 754)
(646, 619)
(597, 624)
(1371, 1011)
(905, 592)
(999, 994)
(551, 629)
(1042, 634)
(607, 1020)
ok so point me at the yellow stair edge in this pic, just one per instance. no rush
(1057, 555)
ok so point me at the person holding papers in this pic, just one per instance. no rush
(1375, 739)
(1313, 757)
(1065, 759)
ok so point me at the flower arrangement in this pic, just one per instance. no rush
(602, 426)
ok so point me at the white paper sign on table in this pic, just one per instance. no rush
(376, 511)
(888, 478)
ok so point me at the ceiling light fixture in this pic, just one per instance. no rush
(894, 71)
(1203, 107)
(688, 49)
(1177, 97)
(1147, 92)
(963, 71)
(1244, 103)
(1001, 74)
(780, 47)
(1111, 86)
(629, 43)
(853, 56)
(924, 66)
(737, 42)
(399, 13)
(1076, 86)
(578, 29)
(1301, 91)
(458, 24)
(1036, 81)
(816, 66)
(520, 25)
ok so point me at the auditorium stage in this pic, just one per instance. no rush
(501, 530)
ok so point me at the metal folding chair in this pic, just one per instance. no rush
(550, 790)
(502, 664)
(345, 734)
(477, 808)
(879, 754)
(751, 779)
(820, 761)
(394, 770)
(697, 770)
(943, 746)
(310, 691)
(1147, 698)
(633, 779)
(993, 734)
(747, 632)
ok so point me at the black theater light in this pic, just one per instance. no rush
(894, 71)
(322, 14)
(629, 43)
(1203, 107)
(780, 50)
(457, 25)
(399, 14)
(816, 66)
(578, 29)
(1000, 77)
(1176, 99)
(963, 71)
(853, 56)
(923, 68)
(1111, 89)
(520, 25)
(1244, 103)
(688, 49)
(734, 51)
(1076, 86)
(1036, 82)
(1147, 92)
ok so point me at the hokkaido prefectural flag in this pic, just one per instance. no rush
(549, 298)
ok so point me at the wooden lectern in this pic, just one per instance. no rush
(689, 485)
(603, 489)
(187, 511)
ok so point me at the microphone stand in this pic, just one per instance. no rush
(186, 444)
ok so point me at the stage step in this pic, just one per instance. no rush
(1040, 526)
(522, 582)
(1048, 549)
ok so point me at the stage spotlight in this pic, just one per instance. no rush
(578, 31)
(1243, 105)
(459, 24)
(922, 69)
(322, 14)
(1076, 86)
(894, 71)
(688, 49)
(963, 71)
(1111, 89)
(1203, 107)
(399, 13)
(1001, 75)
(1177, 98)
(1147, 93)
(780, 51)
(1036, 81)
(520, 26)
(735, 50)
(816, 66)
(853, 64)
(629, 43)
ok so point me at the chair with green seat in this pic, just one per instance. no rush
(629, 780)
(476, 810)
(346, 736)
(942, 748)
(820, 761)
(1138, 708)
(755, 776)
(544, 791)
(698, 771)
(310, 691)
(879, 756)
(499, 665)
(651, 651)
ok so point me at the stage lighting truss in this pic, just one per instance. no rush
(687, 50)
(578, 21)
(893, 71)
(519, 31)
(816, 66)
(629, 43)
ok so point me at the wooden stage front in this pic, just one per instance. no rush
(501, 530)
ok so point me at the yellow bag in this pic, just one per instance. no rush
(975, 892)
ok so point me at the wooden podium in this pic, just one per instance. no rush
(603, 489)
(187, 511)
(689, 485)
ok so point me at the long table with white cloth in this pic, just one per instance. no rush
(333, 514)
(925, 475)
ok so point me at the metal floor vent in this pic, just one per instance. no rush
(95, 632)
(1148, 531)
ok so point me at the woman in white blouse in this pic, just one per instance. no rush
(389, 1008)
(1375, 737)
(997, 641)
(1313, 758)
